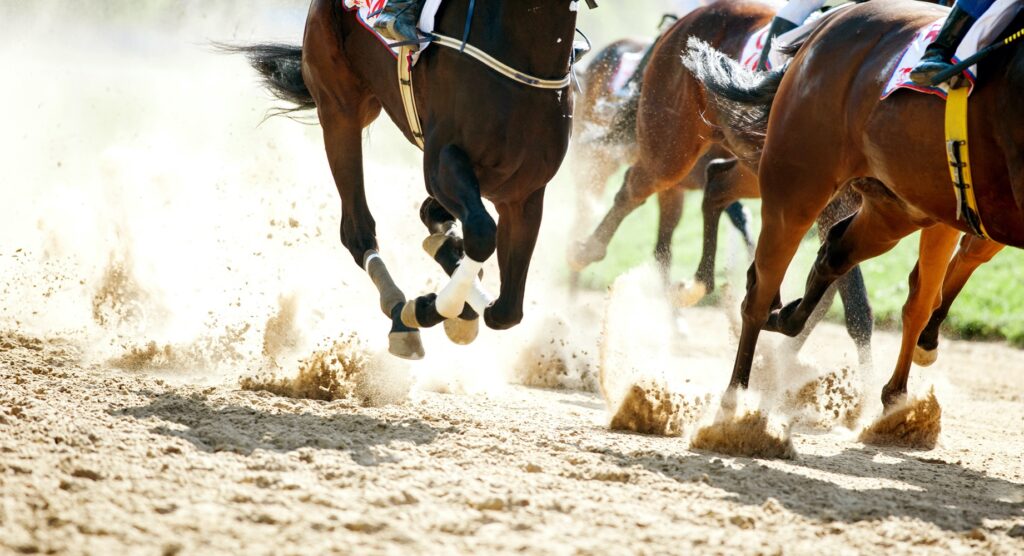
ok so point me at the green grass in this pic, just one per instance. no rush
(990, 307)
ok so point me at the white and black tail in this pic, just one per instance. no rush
(743, 97)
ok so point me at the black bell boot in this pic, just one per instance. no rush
(938, 54)
(778, 27)
(399, 19)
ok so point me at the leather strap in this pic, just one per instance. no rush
(959, 160)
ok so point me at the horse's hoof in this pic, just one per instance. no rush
(462, 332)
(925, 357)
(583, 253)
(406, 345)
(891, 400)
(688, 294)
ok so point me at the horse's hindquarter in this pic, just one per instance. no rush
(834, 117)
(673, 106)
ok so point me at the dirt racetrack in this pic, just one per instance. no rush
(159, 247)
(97, 460)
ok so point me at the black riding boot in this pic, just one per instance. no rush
(937, 55)
(399, 20)
(778, 27)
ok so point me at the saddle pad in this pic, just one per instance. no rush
(984, 32)
(629, 62)
(753, 48)
(365, 9)
(755, 44)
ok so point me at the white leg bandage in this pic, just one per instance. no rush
(453, 297)
(478, 298)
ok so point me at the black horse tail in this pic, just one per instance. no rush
(280, 65)
(743, 97)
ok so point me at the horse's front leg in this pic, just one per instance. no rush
(456, 190)
(518, 226)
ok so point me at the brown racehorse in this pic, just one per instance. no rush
(827, 128)
(604, 140)
(485, 136)
(673, 132)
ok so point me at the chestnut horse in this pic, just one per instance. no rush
(485, 136)
(673, 132)
(604, 139)
(828, 128)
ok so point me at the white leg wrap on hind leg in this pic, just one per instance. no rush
(478, 298)
(453, 297)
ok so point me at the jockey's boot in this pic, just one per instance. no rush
(399, 19)
(938, 54)
(778, 27)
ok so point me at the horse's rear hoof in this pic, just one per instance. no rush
(688, 294)
(406, 345)
(583, 253)
(462, 332)
(925, 357)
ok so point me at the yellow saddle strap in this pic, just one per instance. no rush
(959, 160)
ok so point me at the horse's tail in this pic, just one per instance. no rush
(280, 65)
(743, 97)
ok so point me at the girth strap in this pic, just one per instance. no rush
(958, 151)
(405, 61)
(405, 86)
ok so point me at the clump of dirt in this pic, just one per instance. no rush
(204, 353)
(828, 400)
(149, 356)
(282, 334)
(118, 299)
(750, 435)
(554, 361)
(344, 370)
(914, 424)
(649, 407)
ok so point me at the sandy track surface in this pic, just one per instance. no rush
(96, 460)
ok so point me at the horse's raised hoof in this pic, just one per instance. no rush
(583, 253)
(462, 332)
(781, 320)
(406, 345)
(688, 294)
(925, 357)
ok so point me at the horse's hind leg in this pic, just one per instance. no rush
(937, 244)
(445, 246)
(974, 252)
(851, 287)
(726, 182)
(344, 109)
(670, 212)
(876, 228)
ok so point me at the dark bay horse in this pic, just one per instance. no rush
(673, 131)
(485, 136)
(604, 140)
(826, 128)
